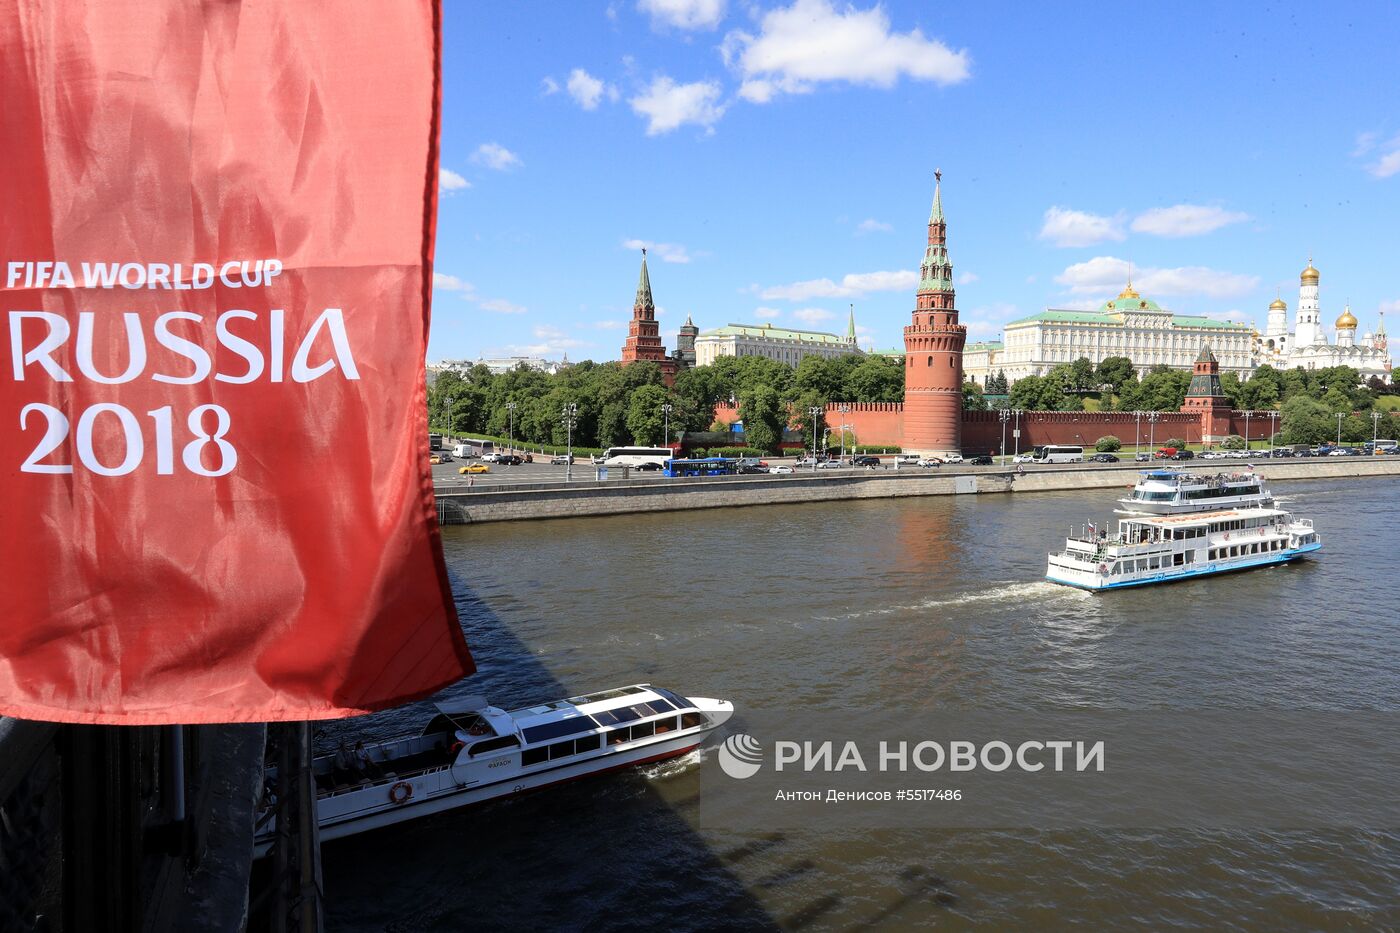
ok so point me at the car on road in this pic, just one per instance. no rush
(561, 459)
(953, 458)
(907, 458)
(1030, 458)
(830, 465)
(1183, 455)
(747, 469)
(1103, 458)
(1142, 457)
(650, 467)
(475, 468)
(780, 469)
(980, 460)
(805, 462)
(492, 457)
(865, 460)
(930, 462)
(511, 460)
(434, 458)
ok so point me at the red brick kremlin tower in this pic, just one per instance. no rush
(1206, 398)
(933, 345)
(644, 334)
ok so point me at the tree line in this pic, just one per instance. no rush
(620, 405)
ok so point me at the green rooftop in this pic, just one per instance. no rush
(1058, 316)
(774, 333)
(984, 345)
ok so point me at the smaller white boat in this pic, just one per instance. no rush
(471, 752)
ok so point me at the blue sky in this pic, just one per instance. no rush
(779, 159)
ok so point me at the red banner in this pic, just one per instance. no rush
(217, 240)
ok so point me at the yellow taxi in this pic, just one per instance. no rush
(434, 459)
(476, 468)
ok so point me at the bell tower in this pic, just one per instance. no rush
(933, 345)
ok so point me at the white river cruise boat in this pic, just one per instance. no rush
(472, 752)
(1178, 525)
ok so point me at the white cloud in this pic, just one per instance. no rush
(500, 306)
(766, 314)
(666, 252)
(494, 155)
(967, 278)
(1065, 227)
(450, 283)
(871, 225)
(450, 181)
(1234, 314)
(1104, 274)
(1387, 161)
(851, 285)
(549, 86)
(1185, 220)
(668, 105)
(986, 321)
(608, 325)
(1390, 307)
(813, 315)
(588, 90)
(811, 41)
(683, 14)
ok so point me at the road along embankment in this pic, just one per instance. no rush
(659, 494)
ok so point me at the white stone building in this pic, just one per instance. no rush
(1306, 347)
(1129, 325)
(779, 343)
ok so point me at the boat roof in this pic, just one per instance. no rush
(1201, 518)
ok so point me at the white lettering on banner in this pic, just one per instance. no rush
(109, 439)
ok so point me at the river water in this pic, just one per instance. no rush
(909, 603)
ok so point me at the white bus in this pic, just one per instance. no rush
(470, 447)
(638, 458)
(1058, 453)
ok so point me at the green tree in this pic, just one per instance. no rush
(1081, 375)
(1114, 371)
(1305, 421)
(1233, 442)
(1107, 444)
(1037, 393)
(802, 418)
(762, 414)
(873, 379)
(645, 419)
(972, 399)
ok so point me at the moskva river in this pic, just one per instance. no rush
(910, 604)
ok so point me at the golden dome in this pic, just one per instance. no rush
(1347, 321)
(1278, 304)
(1310, 275)
(1128, 292)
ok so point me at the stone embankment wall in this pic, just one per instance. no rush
(620, 497)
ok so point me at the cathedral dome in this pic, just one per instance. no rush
(1347, 321)
(1278, 304)
(1310, 275)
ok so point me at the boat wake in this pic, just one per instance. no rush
(662, 770)
(1020, 592)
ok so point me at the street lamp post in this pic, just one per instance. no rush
(569, 415)
(1340, 416)
(1152, 419)
(845, 410)
(1005, 416)
(1247, 413)
(447, 403)
(510, 409)
(1016, 433)
(1375, 429)
(1137, 433)
(666, 422)
(815, 411)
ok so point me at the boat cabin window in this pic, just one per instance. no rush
(494, 745)
(535, 756)
(557, 729)
(691, 720)
(665, 725)
(679, 702)
(643, 729)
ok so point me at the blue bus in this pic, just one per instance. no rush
(710, 466)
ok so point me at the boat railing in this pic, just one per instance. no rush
(389, 778)
(1303, 522)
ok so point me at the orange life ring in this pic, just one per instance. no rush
(457, 746)
(395, 797)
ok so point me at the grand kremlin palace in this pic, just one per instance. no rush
(1129, 325)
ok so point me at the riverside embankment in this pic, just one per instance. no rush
(525, 501)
